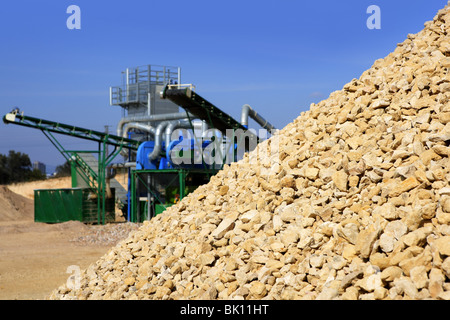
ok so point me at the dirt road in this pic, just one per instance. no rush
(34, 257)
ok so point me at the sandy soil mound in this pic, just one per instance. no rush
(14, 206)
(26, 189)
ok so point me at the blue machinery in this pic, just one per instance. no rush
(171, 138)
(187, 160)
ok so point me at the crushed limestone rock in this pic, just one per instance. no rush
(352, 201)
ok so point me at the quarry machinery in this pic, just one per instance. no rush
(171, 139)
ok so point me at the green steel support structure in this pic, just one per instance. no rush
(178, 179)
(216, 118)
(96, 181)
(170, 178)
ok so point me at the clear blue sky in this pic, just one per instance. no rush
(277, 56)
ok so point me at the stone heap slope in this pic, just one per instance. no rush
(349, 201)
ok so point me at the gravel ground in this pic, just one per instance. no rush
(108, 234)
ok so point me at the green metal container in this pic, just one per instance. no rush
(58, 205)
(61, 205)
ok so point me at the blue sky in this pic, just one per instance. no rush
(277, 56)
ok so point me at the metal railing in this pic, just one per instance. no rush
(137, 82)
(133, 93)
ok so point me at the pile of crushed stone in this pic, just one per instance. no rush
(350, 201)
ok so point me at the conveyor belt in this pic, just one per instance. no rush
(65, 129)
(201, 108)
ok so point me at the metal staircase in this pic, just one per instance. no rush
(89, 164)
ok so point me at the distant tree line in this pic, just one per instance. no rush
(16, 167)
